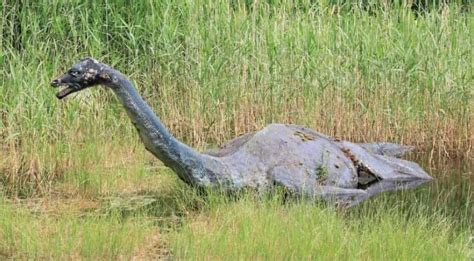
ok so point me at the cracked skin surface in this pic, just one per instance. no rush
(287, 155)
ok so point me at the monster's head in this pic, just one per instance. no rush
(86, 73)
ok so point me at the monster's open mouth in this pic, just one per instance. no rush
(68, 88)
(66, 91)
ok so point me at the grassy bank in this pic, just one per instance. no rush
(216, 70)
(141, 211)
(248, 230)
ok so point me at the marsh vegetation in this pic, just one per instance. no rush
(76, 182)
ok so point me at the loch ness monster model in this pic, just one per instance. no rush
(301, 161)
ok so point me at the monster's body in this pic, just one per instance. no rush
(298, 159)
(306, 162)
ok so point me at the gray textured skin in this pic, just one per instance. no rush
(300, 160)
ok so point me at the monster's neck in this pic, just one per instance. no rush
(174, 154)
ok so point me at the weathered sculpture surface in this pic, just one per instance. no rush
(300, 160)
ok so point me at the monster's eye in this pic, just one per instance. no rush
(74, 73)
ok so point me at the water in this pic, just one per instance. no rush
(450, 194)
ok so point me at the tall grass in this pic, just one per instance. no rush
(213, 70)
(358, 70)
